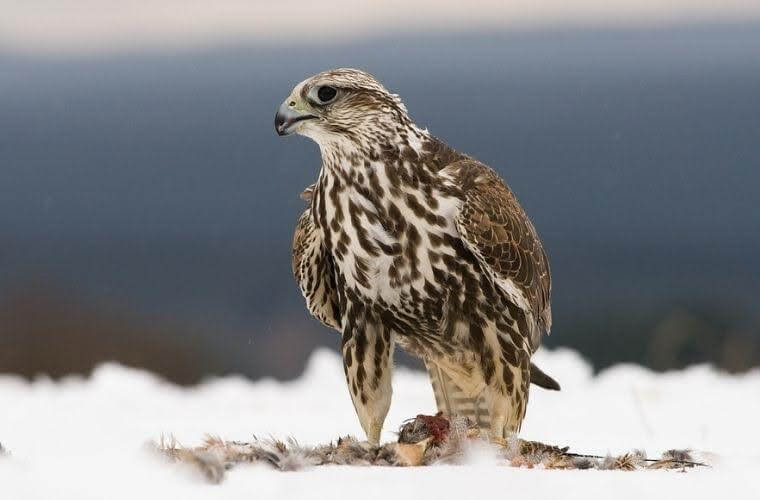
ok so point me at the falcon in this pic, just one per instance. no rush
(407, 241)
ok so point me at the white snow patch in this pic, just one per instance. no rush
(83, 438)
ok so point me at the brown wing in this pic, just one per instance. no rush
(314, 272)
(497, 230)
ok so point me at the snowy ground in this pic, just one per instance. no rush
(84, 438)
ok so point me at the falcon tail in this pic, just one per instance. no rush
(541, 379)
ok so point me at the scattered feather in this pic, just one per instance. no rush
(423, 440)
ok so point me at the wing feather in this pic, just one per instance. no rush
(314, 270)
(497, 230)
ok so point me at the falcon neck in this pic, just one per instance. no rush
(404, 154)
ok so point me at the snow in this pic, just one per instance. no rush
(85, 438)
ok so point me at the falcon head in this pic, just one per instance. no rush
(340, 104)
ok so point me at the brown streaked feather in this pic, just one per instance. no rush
(498, 231)
(314, 272)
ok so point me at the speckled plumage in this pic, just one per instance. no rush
(406, 240)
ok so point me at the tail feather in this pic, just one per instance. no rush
(541, 379)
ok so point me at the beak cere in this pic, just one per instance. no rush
(286, 117)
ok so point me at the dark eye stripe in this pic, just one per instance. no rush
(326, 93)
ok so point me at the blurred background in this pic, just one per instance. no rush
(147, 206)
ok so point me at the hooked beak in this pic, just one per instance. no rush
(287, 116)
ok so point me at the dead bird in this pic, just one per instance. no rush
(422, 441)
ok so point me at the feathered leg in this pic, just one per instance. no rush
(506, 370)
(464, 396)
(367, 349)
(453, 400)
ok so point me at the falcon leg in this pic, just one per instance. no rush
(507, 373)
(506, 410)
(367, 349)
(459, 395)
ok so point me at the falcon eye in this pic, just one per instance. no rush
(326, 94)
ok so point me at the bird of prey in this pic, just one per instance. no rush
(407, 241)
